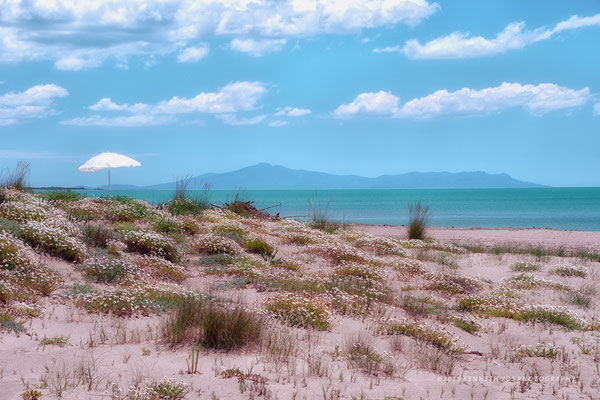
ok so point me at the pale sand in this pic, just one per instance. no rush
(551, 238)
(127, 350)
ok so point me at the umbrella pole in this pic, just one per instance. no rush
(108, 181)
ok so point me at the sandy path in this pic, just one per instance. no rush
(544, 237)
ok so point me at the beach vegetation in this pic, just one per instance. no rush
(212, 325)
(151, 243)
(97, 235)
(60, 195)
(418, 219)
(299, 310)
(16, 178)
(319, 218)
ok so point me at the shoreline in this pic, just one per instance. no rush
(555, 238)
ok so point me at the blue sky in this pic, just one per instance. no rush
(348, 87)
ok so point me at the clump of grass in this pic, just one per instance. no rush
(60, 341)
(7, 323)
(362, 354)
(212, 326)
(61, 195)
(319, 218)
(419, 307)
(465, 324)
(298, 240)
(17, 178)
(525, 266)
(97, 236)
(183, 204)
(583, 296)
(540, 350)
(31, 394)
(260, 247)
(418, 219)
(234, 233)
(167, 225)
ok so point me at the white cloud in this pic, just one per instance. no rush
(537, 99)
(257, 48)
(193, 54)
(231, 119)
(597, 109)
(380, 103)
(389, 49)
(35, 102)
(463, 45)
(122, 121)
(85, 33)
(292, 112)
(277, 123)
(231, 98)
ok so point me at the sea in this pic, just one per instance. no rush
(556, 208)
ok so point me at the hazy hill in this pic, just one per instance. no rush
(276, 177)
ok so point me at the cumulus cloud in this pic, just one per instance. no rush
(464, 45)
(82, 34)
(292, 112)
(231, 98)
(257, 48)
(380, 103)
(193, 53)
(536, 99)
(35, 102)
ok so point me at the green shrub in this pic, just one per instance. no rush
(61, 195)
(166, 225)
(7, 323)
(109, 270)
(151, 243)
(259, 246)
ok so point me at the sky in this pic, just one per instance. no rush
(365, 87)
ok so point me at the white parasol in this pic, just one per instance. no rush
(108, 161)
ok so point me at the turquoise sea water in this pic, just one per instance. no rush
(558, 208)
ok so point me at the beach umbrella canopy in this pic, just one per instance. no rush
(108, 161)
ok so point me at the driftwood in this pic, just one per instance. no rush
(246, 207)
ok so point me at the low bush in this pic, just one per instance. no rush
(109, 270)
(60, 195)
(300, 310)
(214, 244)
(151, 243)
(259, 246)
(54, 240)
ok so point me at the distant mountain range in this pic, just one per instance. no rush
(275, 177)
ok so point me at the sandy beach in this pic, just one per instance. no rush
(345, 313)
